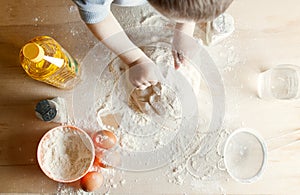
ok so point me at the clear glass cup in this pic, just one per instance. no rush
(281, 82)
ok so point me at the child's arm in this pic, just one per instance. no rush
(110, 33)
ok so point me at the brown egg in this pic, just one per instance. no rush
(91, 181)
(104, 139)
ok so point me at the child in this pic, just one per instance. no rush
(99, 19)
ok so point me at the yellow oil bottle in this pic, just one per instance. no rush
(45, 60)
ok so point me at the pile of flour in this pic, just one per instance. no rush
(65, 154)
(161, 115)
(160, 102)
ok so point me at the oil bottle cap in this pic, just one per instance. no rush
(33, 52)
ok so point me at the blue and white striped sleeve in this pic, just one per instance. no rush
(93, 11)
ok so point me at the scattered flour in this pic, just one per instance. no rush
(65, 154)
(161, 102)
(160, 118)
(113, 179)
(132, 127)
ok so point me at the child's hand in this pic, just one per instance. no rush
(183, 34)
(178, 53)
(142, 73)
(110, 32)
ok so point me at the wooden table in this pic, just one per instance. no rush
(267, 34)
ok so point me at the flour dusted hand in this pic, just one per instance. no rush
(143, 73)
(179, 50)
(181, 43)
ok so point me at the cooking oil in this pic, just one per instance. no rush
(45, 60)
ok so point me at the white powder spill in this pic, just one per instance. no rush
(158, 100)
(66, 189)
(65, 155)
(113, 178)
(134, 124)
(200, 169)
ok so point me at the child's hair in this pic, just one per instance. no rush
(191, 10)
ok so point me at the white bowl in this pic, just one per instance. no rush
(245, 155)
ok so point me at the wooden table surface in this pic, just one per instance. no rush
(267, 34)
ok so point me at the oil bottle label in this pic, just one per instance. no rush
(73, 64)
